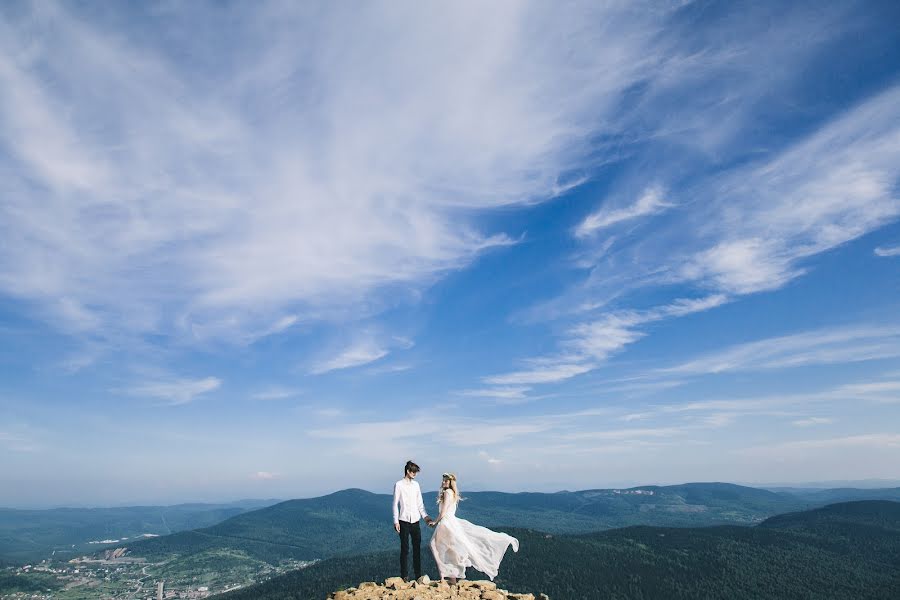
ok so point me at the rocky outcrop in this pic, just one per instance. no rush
(395, 588)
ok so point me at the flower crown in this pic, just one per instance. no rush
(449, 476)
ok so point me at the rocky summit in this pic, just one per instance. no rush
(425, 589)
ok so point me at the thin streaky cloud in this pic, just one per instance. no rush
(589, 344)
(501, 393)
(544, 372)
(811, 421)
(817, 347)
(357, 355)
(154, 204)
(825, 191)
(649, 203)
(887, 251)
(882, 441)
(18, 441)
(365, 349)
(177, 391)
(276, 393)
(625, 434)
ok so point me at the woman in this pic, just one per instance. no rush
(457, 544)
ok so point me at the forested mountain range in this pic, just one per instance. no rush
(30, 535)
(356, 521)
(843, 551)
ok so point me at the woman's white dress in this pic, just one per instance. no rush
(457, 544)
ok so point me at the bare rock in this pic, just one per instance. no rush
(395, 588)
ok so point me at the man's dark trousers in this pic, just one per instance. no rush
(410, 530)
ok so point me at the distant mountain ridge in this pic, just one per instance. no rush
(295, 528)
(356, 521)
(32, 534)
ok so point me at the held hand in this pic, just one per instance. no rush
(397, 527)
(433, 524)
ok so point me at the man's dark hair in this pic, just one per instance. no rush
(411, 466)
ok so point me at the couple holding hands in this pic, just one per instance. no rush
(456, 543)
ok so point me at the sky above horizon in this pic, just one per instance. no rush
(269, 250)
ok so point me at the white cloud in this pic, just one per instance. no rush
(276, 393)
(330, 413)
(178, 391)
(809, 421)
(826, 190)
(458, 431)
(589, 344)
(366, 348)
(18, 440)
(489, 459)
(389, 368)
(509, 393)
(877, 391)
(887, 251)
(875, 441)
(541, 371)
(304, 175)
(649, 203)
(625, 434)
(817, 347)
(264, 476)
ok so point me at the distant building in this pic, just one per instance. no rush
(160, 587)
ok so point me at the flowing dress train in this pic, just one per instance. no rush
(457, 544)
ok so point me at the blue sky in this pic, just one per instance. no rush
(267, 250)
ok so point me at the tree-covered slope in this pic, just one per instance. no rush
(357, 520)
(27, 535)
(795, 557)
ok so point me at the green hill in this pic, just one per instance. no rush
(794, 556)
(29, 535)
(357, 521)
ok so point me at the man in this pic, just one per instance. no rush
(408, 508)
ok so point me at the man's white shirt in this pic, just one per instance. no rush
(408, 505)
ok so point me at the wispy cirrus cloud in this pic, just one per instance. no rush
(507, 394)
(817, 347)
(811, 421)
(829, 189)
(463, 433)
(542, 371)
(276, 393)
(19, 439)
(872, 441)
(745, 230)
(356, 355)
(176, 391)
(304, 176)
(589, 344)
(887, 251)
(724, 411)
(649, 203)
(365, 349)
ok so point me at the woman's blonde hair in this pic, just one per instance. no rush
(452, 479)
